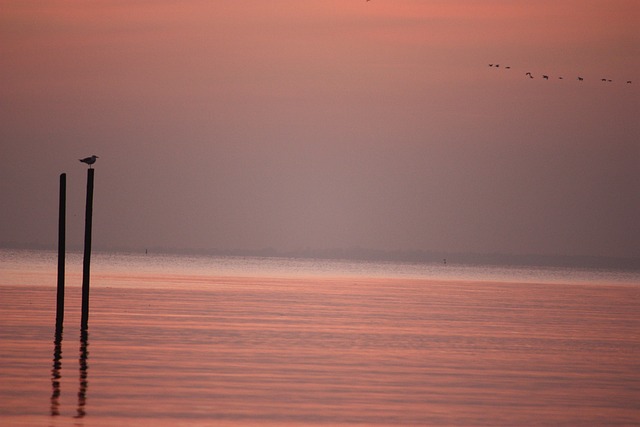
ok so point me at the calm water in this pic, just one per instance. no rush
(230, 341)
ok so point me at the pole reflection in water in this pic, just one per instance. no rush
(55, 373)
(82, 391)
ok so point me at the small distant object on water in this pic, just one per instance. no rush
(89, 160)
(444, 261)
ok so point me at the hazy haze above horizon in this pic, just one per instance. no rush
(324, 124)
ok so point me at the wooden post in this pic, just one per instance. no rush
(61, 249)
(87, 250)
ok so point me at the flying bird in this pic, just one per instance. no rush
(548, 77)
(89, 160)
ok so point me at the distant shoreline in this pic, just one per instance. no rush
(378, 255)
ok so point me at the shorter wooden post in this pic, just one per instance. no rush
(61, 252)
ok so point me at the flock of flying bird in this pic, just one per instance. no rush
(546, 76)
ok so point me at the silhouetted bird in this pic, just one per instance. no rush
(546, 76)
(89, 160)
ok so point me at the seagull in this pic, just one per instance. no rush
(545, 77)
(580, 79)
(529, 74)
(89, 160)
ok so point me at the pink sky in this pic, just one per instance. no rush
(294, 124)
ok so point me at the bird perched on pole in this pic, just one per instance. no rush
(89, 160)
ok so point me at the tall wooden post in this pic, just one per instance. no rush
(61, 249)
(87, 250)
